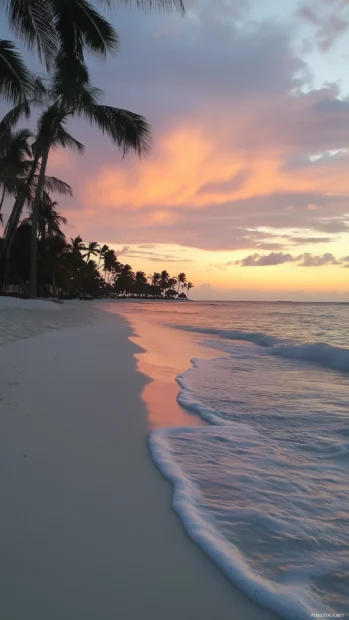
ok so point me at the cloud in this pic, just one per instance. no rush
(333, 225)
(221, 266)
(237, 181)
(307, 260)
(295, 240)
(235, 130)
(152, 256)
(279, 258)
(258, 260)
(330, 20)
(123, 252)
(239, 153)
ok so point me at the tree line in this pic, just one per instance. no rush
(73, 269)
(61, 33)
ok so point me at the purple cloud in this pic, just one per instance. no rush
(258, 260)
(308, 260)
(279, 258)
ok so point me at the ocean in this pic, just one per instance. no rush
(263, 486)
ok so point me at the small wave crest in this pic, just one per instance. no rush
(260, 339)
(321, 353)
(329, 356)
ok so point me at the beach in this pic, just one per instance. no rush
(88, 530)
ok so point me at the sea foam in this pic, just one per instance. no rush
(290, 599)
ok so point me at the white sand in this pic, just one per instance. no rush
(87, 530)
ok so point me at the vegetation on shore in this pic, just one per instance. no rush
(61, 32)
(75, 269)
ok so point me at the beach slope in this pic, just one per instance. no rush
(87, 529)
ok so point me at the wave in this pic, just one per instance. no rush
(186, 400)
(320, 353)
(260, 339)
(289, 600)
(257, 495)
(327, 355)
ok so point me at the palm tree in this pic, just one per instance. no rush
(111, 265)
(53, 25)
(126, 270)
(141, 278)
(102, 252)
(49, 221)
(164, 277)
(71, 26)
(140, 284)
(181, 279)
(16, 82)
(93, 249)
(54, 249)
(14, 151)
(155, 278)
(171, 283)
(77, 245)
(20, 177)
(72, 95)
(189, 286)
(51, 133)
(125, 280)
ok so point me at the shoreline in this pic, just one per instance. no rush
(88, 527)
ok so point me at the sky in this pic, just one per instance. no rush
(246, 188)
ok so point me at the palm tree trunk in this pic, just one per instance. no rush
(16, 213)
(34, 232)
(2, 198)
(53, 282)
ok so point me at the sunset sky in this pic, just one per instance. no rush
(247, 185)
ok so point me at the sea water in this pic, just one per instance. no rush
(263, 488)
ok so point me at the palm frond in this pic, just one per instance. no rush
(20, 143)
(49, 220)
(10, 120)
(70, 83)
(31, 20)
(63, 138)
(86, 97)
(52, 184)
(49, 122)
(127, 129)
(69, 68)
(39, 90)
(79, 25)
(15, 79)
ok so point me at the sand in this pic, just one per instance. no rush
(87, 529)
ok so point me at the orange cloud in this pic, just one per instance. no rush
(194, 166)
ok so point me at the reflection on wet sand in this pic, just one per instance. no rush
(166, 353)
